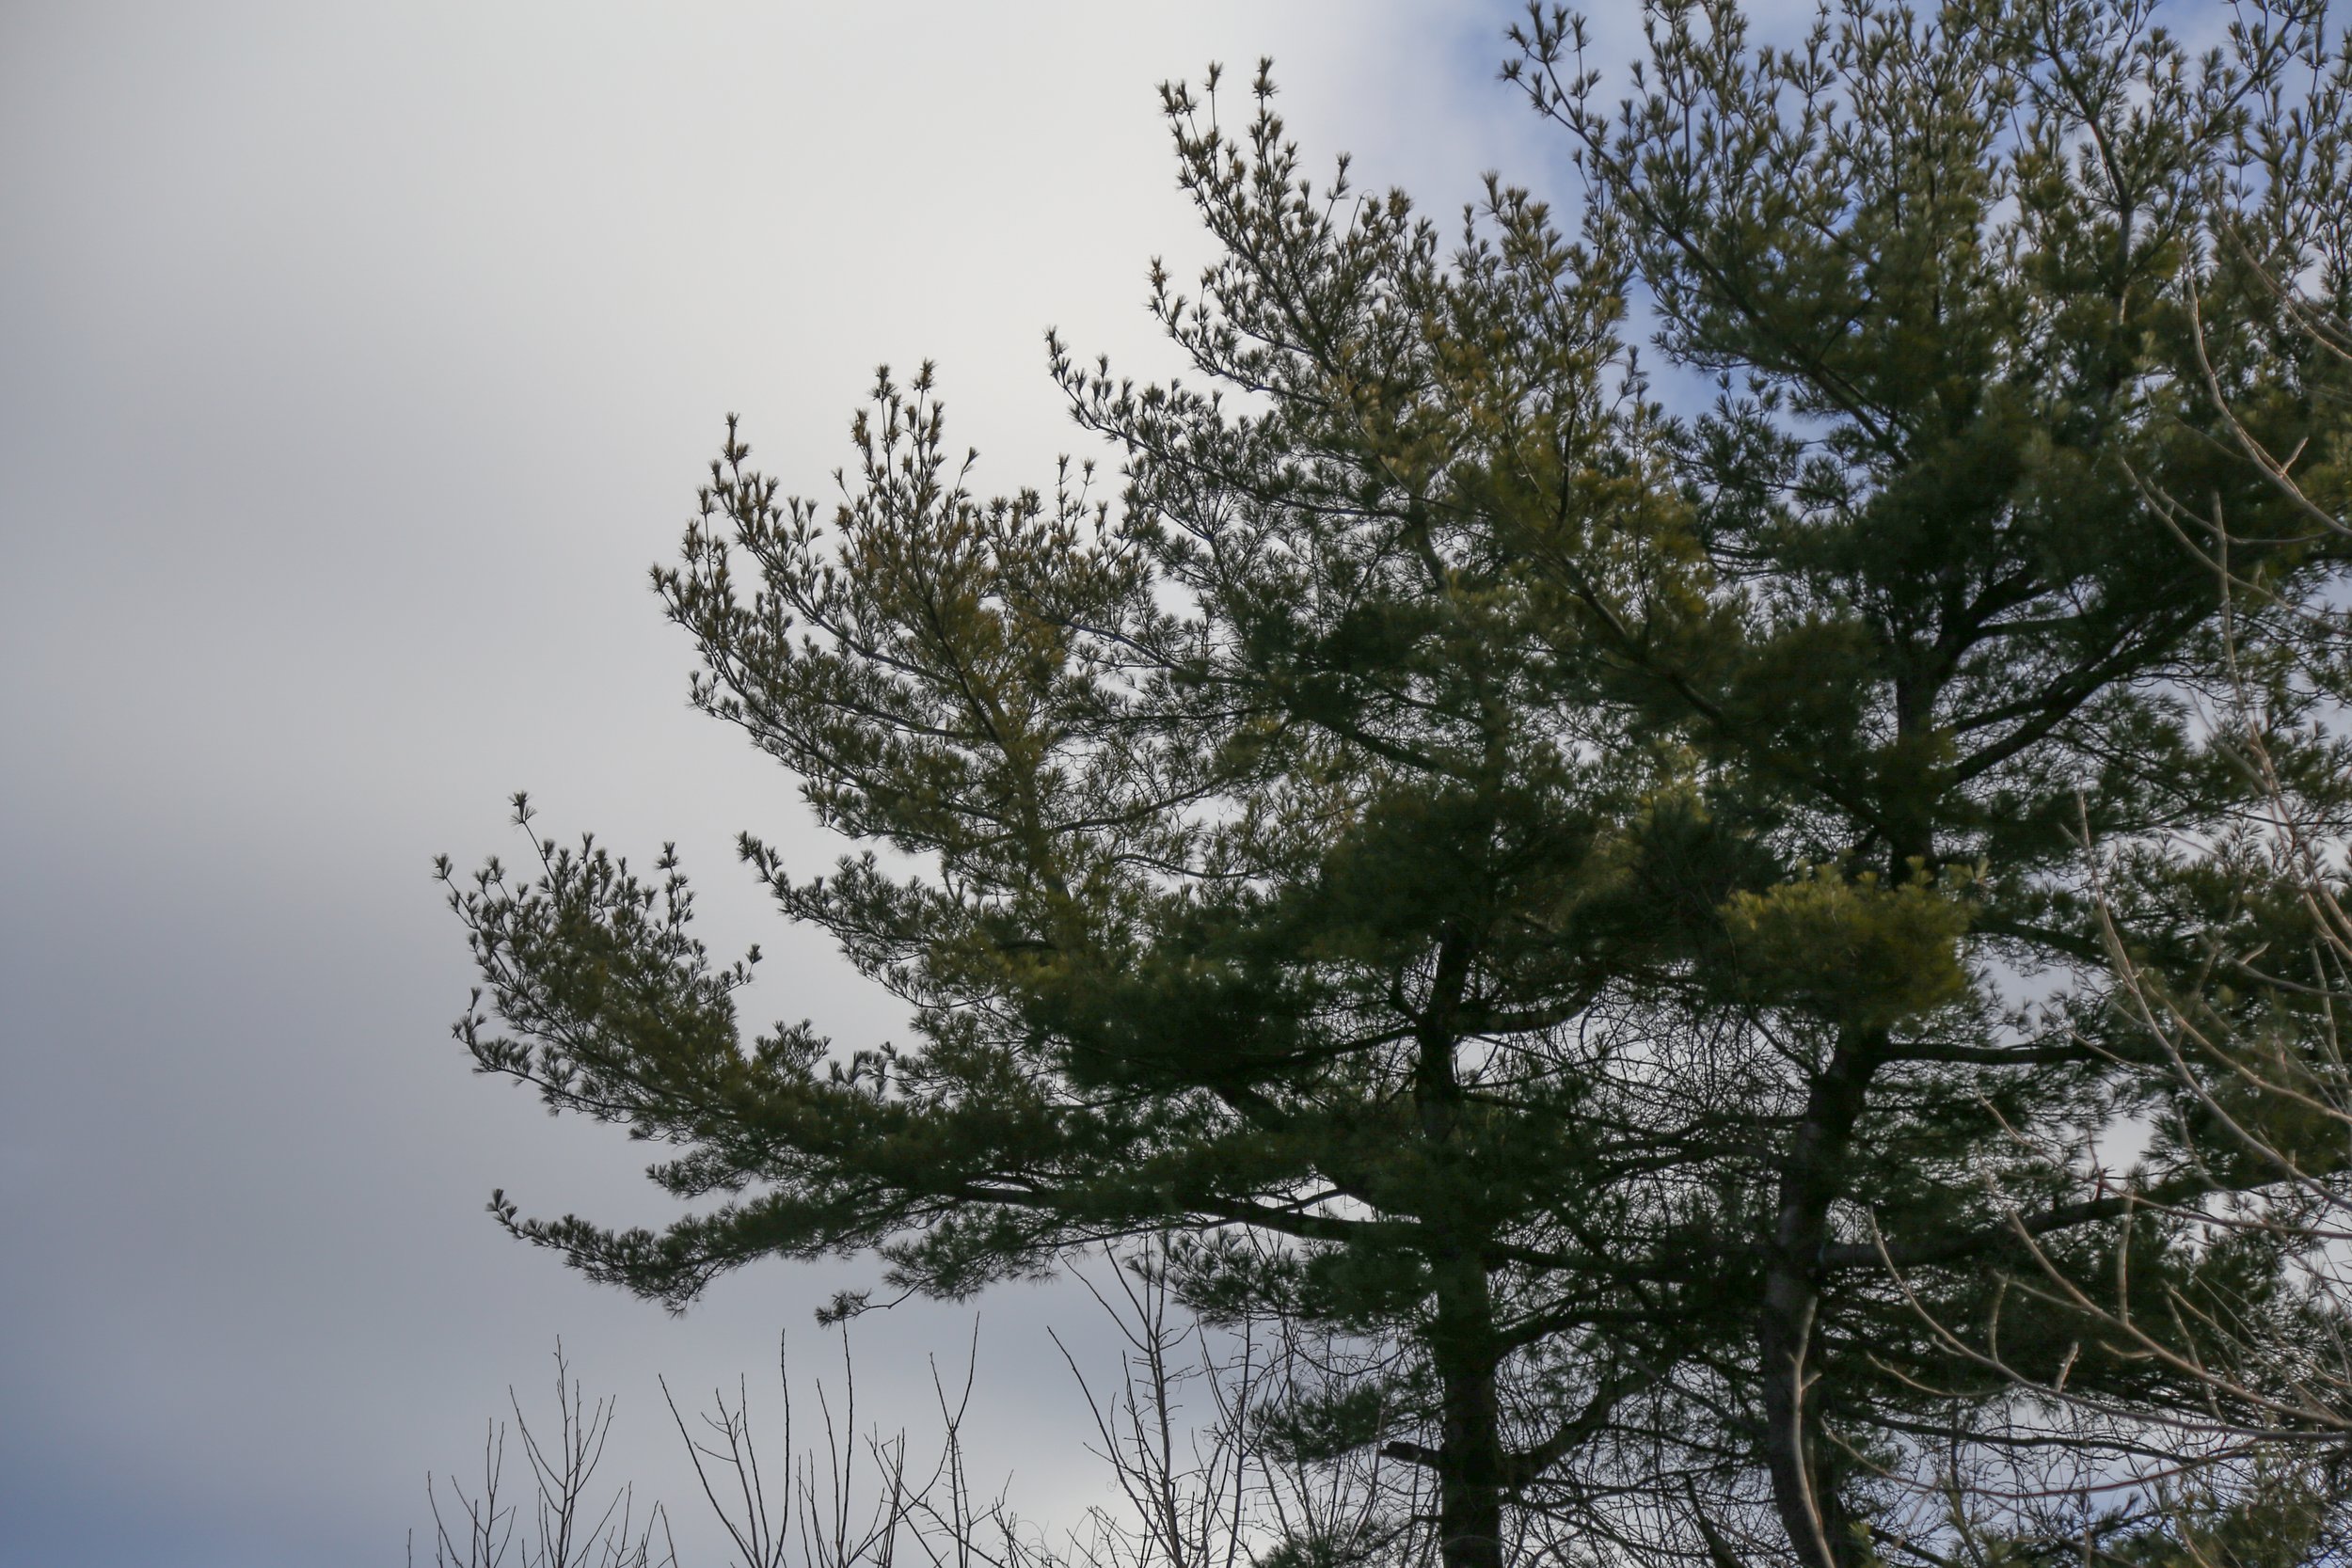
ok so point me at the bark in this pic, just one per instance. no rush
(1807, 1506)
(1469, 1451)
(1465, 1349)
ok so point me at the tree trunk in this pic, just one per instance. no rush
(1462, 1347)
(1807, 1507)
(1469, 1449)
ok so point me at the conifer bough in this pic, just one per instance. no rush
(1533, 876)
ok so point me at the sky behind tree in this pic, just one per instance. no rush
(355, 362)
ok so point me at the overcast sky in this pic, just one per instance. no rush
(355, 364)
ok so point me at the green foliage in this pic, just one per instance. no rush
(2276, 1509)
(1324, 1423)
(1850, 950)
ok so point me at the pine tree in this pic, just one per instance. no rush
(1951, 272)
(1500, 870)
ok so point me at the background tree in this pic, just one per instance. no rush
(1944, 266)
(1504, 872)
(1195, 1475)
(566, 1527)
(2251, 1059)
